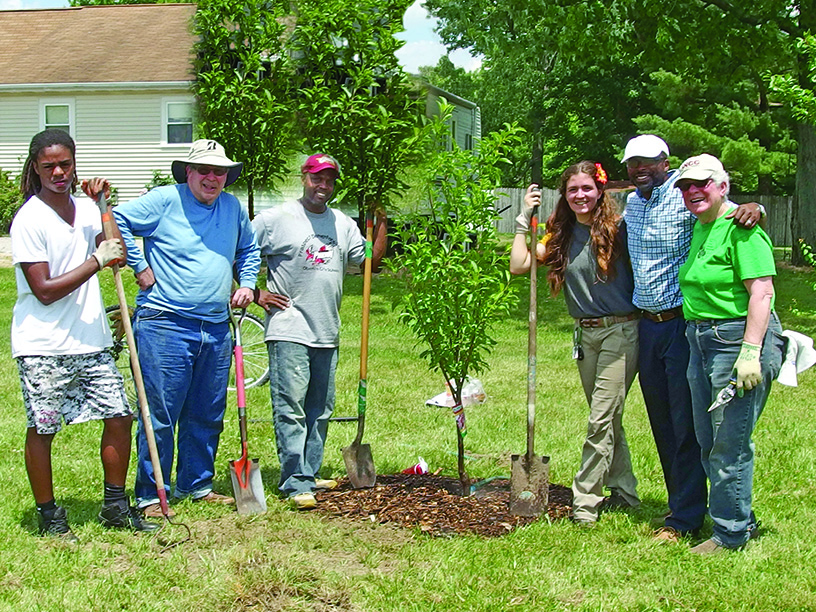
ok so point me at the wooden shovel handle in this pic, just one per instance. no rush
(362, 388)
(531, 337)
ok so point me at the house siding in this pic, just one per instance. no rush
(118, 135)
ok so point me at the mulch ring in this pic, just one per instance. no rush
(433, 504)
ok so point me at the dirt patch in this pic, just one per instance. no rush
(433, 504)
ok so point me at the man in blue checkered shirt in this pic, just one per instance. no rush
(659, 229)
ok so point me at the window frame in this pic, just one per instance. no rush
(166, 102)
(69, 102)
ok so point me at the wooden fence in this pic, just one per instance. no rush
(777, 223)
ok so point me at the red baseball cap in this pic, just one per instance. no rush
(320, 161)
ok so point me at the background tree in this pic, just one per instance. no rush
(354, 101)
(244, 86)
(456, 287)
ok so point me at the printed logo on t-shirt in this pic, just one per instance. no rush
(318, 251)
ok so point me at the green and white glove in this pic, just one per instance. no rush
(523, 220)
(748, 368)
(108, 252)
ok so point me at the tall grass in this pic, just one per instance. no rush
(289, 561)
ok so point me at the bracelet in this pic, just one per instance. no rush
(98, 261)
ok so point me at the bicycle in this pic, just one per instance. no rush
(256, 360)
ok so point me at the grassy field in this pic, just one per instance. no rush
(289, 561)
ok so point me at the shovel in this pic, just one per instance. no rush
(357, 456)
(108, 227)
(530, 473)
(247, 485)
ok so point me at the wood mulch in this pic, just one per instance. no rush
(433, 504)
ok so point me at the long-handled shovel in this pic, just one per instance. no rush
(357, 456)
(108, 226)
(530, 473)
(247, 485)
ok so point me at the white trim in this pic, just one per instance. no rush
(164, 114)
(87, 87)
(69, 102)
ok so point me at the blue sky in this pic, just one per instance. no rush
(422, 45)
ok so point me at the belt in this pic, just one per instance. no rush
(608, 320)
(663, 315)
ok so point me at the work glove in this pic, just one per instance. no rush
(531, 199)
(108, 252)
(523, 220)
(748, 368)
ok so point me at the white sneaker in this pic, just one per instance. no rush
(322, 484)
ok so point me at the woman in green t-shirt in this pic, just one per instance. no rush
(736, 345)
(587, 257)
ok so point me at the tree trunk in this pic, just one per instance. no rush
(250, 198)
(803, 219)
(464, 479)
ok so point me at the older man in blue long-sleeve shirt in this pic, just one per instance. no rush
(195, 235)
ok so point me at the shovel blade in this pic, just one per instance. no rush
(248, 491)
(360, 466)
(529, 485)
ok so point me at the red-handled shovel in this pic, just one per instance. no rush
(247, 484)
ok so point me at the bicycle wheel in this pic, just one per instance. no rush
(121, 353)
(256, 359)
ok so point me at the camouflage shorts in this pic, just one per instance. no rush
(77, 388)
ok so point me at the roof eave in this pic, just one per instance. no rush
(86, 87)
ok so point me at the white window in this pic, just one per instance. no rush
(178, 121)
(57, 114)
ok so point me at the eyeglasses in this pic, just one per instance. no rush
(684, 186)
(205, 170)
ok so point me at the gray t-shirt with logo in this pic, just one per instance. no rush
(587, 296)
(306, 256)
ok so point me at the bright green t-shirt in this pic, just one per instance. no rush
(723, 255)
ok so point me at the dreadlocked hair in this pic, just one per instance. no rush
(603, 231)
(30, 182)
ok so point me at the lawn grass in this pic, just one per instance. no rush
(289, 561)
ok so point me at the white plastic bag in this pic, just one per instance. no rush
(472, 393)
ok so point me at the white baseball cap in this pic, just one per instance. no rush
(700, 168)
(645, 145)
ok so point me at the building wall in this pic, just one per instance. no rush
(119, 134)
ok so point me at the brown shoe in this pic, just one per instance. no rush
(709, 547)
(216, 498)
(155, 511)
(667, 534)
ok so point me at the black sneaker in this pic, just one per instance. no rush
(55, 523)
(123, 516)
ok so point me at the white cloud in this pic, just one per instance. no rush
(16, 5)
(423, 46)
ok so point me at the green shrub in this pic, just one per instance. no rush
(10, 200)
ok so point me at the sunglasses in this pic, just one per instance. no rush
(686, 185)
(205, 170)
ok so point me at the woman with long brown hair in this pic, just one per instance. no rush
(585, 251)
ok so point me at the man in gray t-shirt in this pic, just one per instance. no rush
(307, 247)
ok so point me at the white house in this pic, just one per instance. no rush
(117, 77)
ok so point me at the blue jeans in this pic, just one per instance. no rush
(301, 383)
(663, 361)
(725, 433)
(185, 363)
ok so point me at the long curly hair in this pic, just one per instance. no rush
(606, 240)
(30, 182)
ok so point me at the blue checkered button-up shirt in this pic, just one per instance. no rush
(659, 237)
